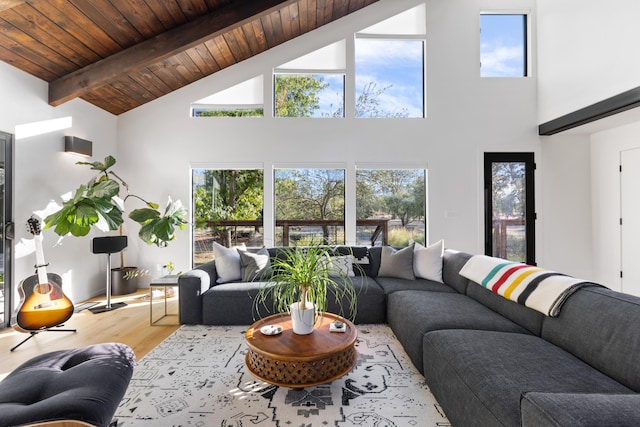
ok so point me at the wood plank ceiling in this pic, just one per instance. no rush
(120, 54)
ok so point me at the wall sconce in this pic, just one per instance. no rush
(75, 145)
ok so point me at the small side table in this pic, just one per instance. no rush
(164, 282)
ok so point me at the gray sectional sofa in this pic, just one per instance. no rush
(489, 361)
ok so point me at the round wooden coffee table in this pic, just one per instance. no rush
(300, 361)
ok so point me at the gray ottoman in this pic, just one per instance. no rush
(84, 384)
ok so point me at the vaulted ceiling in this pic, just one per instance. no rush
(120, 54)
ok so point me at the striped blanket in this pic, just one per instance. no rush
(534, 287)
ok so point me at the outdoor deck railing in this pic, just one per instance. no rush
(502, 231)
(381, 226)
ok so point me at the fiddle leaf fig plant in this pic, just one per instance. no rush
(98, 203)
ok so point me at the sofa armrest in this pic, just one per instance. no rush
(192, 285)
(579, 409)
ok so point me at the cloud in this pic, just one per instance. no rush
(377, 52)
(396, 67)
(501, 61)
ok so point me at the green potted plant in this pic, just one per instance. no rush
(98, 203)
(302, 281)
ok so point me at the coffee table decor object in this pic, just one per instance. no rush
(271, 329)
(298, 361)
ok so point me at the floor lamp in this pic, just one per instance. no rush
(108, 245)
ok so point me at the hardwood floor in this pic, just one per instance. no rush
(128, 325)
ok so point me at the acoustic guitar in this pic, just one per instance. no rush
(43, 304)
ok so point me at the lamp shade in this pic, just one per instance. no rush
(73, 144)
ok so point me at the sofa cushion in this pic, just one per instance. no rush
(227, 262)
(479, 376)
(371, 300)
(374, 254)
(411, 314)
(232, 304)
(427, 261)
(339, 266)
(360, 258)
(397, 262)
(600, 326)
(255, 266)
(579, 409)
(518, 313)
(452, 263)
(393, 284)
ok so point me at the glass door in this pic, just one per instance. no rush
(509, 206)
(6, 228)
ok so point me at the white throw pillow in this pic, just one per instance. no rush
(340, 265)
(228, 265)
(427, 261)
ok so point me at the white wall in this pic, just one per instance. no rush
(585, 56)
(43, 172)
(566, 198)
(605, 153)
(466, 116)
(586, 53)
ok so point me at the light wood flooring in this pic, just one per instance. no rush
(128, 325)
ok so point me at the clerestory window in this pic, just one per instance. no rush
(503, 45)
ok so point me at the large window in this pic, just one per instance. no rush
(227, 208)
(309, 206)
(389, 77)
(509, 206)
(390, 206)
(503, 45)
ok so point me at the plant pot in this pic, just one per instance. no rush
(121, 285)
(303, 321)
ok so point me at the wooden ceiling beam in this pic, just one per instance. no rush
(159, 48)
(8, 4)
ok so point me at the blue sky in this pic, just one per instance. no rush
(393, 65)
(501, 45)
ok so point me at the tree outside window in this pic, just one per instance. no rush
(313, 200)
(220, 197)
(395, 195)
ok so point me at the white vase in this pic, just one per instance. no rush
(303, 321)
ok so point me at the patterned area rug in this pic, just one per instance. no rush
(197, 377)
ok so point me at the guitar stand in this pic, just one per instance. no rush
(34, 333)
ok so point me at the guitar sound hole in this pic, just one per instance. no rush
(43, 288)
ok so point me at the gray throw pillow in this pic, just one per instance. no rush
(397, 263)
(255, 265)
